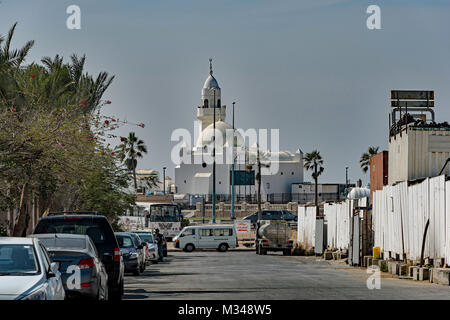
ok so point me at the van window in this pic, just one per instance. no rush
(188, 232)
(206, 232)
(223, 232)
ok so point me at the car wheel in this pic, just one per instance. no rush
(189, 247)
(223, 247)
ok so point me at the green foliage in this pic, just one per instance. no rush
(365, 158)
(52, 137)
(3, 232)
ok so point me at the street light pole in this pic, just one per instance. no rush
(232, 173)
(164, 180)
(346, 181)
(214, 163)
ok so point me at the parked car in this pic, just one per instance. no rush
(152, 245)
(101, 233)
(77, 250)
(272, 215)
(26, 272)
(132, 257)
(220, 237)
(141, 247)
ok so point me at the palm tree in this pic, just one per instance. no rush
(365, 158)
(314, 162)
(131, 149)
(258, 177)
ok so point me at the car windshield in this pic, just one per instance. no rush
(63, 243)
(146, 237)
(124, 241)
(18, 259)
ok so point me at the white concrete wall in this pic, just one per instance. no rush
(401, 210)
(306, 226)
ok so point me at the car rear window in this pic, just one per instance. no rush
(98, 229)
(63, 243)
(124, 241)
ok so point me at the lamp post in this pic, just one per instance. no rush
(232, 172)
(164, 180)
(214, 162)
(346, 181)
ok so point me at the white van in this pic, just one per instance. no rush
(220, 237)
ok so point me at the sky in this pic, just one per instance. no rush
(310, 68)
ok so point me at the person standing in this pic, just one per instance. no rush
(160, 239)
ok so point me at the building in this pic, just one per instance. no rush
(303, 193)
(195, 177)
(149, 182)
(379, 169)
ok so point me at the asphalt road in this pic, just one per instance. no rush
(245, 275)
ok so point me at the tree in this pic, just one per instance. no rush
(132, 149)
(365, 158)
(259, 164)
(314, 162)
(151, 182)
(51, 152)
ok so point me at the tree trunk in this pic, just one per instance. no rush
(20, 228)
(316, 193)
(134, 178)
(259, 191)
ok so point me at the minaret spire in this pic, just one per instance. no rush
(210, 66)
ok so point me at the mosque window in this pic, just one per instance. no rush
(218, 103)
(205, 105)
(281, 173)
(292, 172)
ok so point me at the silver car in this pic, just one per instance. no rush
(26, 272)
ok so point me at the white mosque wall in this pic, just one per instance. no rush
(194, 179)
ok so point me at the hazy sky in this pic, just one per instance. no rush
(310, 68)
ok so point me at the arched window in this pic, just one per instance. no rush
(205, 105)
(218, 103)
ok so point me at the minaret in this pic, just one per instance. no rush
(211, 90)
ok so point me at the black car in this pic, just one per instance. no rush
(101, 233)
(272, 215)
(132, 252)
(77, 250)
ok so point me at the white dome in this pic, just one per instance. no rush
(211, 83)
(206, 137)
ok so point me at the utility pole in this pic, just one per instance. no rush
(214, 163)
(164, 180)
(346, 181)
(232, 173)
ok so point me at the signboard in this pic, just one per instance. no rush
(243, 177)
(168, 229)
(131, 223)
(412, 94)
(412, 104)
(242, 226)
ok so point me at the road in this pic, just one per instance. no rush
(245, 275)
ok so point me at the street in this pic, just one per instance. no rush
(245, 275)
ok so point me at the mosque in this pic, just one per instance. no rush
(195, 177)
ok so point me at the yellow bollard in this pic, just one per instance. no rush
(376, 252)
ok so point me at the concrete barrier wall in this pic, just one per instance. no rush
(337, 216)
(400, 214)
(306, 226)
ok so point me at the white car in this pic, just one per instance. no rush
(216, 236)
(26, 272)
